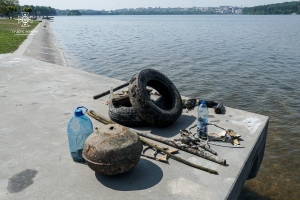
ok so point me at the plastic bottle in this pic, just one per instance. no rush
(79, 128)
(202, 120)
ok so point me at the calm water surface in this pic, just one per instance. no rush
(248, 62)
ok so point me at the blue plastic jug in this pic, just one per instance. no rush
(79, 128)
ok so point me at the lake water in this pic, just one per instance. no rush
(248, 62)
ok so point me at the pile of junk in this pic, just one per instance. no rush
(150, 100)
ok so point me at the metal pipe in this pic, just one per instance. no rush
(108, 91)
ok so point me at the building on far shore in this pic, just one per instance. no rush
(223, 10)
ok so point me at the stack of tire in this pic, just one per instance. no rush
(144, 111)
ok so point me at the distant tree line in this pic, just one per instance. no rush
(133, 12)
(162, 11)
(10, 8)
(74, 12)
(38, 10)
(274, 9)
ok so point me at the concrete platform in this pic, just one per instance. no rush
(38, 99)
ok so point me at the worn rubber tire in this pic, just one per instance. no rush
(142, 103)
(127, 116)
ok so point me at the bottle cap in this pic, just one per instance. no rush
(203, 102)
(78, 112)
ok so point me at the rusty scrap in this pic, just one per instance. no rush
(178, 158)
(112, 149)
(202, 154)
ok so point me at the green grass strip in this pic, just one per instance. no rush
(12, 34)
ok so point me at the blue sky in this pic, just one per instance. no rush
(116, 4)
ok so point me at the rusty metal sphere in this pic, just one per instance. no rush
(112, 149)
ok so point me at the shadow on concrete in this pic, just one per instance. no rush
(248, 194)
(143, 176)
(182, 123)
(225, 144)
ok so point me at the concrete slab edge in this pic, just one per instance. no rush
(236, 188)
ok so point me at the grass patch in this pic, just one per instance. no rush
(9, 39)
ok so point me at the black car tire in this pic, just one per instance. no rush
(142, 103)
(127, 116)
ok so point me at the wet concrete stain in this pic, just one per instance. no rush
(2, 86)
(3, 96)
(66, 113)
(73, 95)
(18, 104)
(21, 181)
(34, 103)
(210, 116)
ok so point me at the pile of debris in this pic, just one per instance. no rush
(151, 99)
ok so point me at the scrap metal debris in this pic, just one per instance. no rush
(225, 136)
(188, 140)
(163, 158)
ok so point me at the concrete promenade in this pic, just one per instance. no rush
(37, 100)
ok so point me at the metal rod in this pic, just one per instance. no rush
(108, 91)
(99, 117)
(204, 146)
(154, 158)
(178, 158)
(202, 154)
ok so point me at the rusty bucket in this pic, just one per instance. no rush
(112, 150)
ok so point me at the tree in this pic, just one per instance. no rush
(28, 9)
(11, 10)
(74, 12)
(279, 8)
(8, 7)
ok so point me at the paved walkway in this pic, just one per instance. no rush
(42, 46)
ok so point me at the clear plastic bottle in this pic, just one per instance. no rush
(202, 120)
(79, 128)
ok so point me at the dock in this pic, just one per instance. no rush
(38, 98)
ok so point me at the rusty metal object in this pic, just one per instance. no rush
(163, 158)
(196, 141)
(112, 150)
(164, 140)
(226, 136)
(178, 158)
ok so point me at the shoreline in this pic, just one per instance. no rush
(63, 93)
(70, 60)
